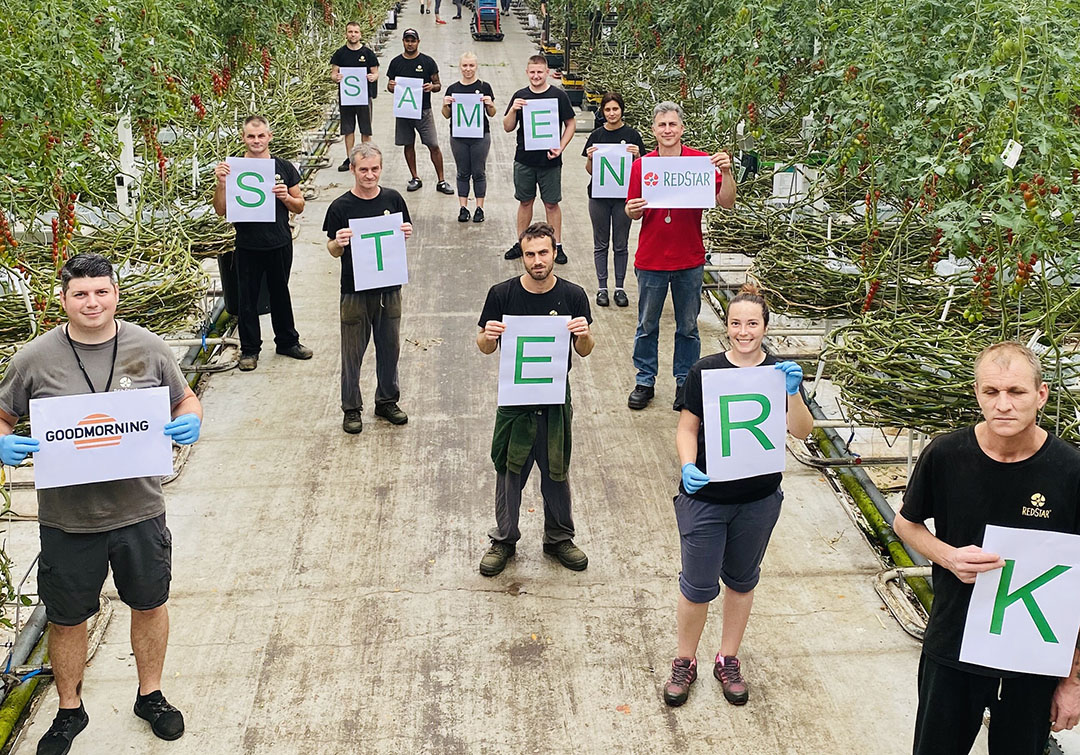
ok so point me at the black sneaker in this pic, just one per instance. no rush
(414, 184)
(602, 299)
(640, 397)
(478, 215)
(494, 561)
(65, 727)
(444, 188)
(248, 362)
(392, 413)
(353, 423)
(569, 555)
(296, 351)
(344, 166)
(463, 215)
(513, 252)
(560, 255)
(620, 298)
(165, 721)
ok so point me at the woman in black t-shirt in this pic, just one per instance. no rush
(608, 218)
(724, 527)
(470, 154)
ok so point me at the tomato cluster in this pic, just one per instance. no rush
(7, 239)
(63, 225)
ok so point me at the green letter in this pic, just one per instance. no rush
(463, 118)
(378, 245)
(1004, 599)
(352, 85)
(535, 123)
(520, 359)
(620, 177)
(255, 189)
(407, 94)
(726, 425)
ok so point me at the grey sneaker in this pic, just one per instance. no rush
(569, 555)
(296, 351)
(494, 561)
(353, 422)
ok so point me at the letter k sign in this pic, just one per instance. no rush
(1025, 594)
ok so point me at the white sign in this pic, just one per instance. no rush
(1011, 154)
(95, 437)
(353, 86)
(1025, 616)
(378, 252)
(249, 196)
(611, 171)
(467, 116)
(540, 119)
(408, 98)
(745, 421)
(533, 360)
(678, 182)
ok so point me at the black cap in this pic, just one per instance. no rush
(410, 33)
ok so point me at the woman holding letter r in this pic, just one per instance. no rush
(724, 527)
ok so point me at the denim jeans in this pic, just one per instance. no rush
(686, 298)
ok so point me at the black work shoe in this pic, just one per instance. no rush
(296, 351)
(640, 397)
(569, 555)
(478, 215)
(414, 184)
(602, 299)
(444, 188)
(560, 255)
(248, 362)
(494, 561)
(165, 721)
(513, 252)
(65, 727)
(344, 166)
(392, 413)
(463, 215)
(620, 298)
(353, 423)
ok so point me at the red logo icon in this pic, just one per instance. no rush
(100, 430)
(651, 179)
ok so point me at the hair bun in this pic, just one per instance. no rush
(750, 289)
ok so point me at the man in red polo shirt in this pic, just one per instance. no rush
(671, 252)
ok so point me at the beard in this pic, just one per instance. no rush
(539, 275)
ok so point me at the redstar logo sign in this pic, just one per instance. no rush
(97, 431)
(651, 179)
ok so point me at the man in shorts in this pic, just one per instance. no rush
(355, 54)
(414, 64)
(989, 474)
(86, 529)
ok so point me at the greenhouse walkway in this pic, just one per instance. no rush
(326, 597)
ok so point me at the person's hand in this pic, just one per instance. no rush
(280, 191)
(406, 228)
(493, 329)
(184, 429)
(343, 237)
(793, 374)
(428, 86)
(634, 150)
(721, 161)
(693, 479)
(579, 327)
(15, 448)
(221, 170)
(337, 76)
(591, 151)
(390, 84)
(372, 76)
(487, 100)
(636, 207)
(969, 561)
(447, 101)
(519, 103)
(1065, 705)
(554, 153)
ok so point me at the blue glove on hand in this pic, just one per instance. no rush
(793, 372)
(184, 429)
(693, 479)
(15, 448)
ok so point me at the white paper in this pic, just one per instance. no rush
(249, 196)
(467, 116)
(1016, 642)
(353, 86)
(533, 360)
(745, 421)
(95, 437)
(678, 182)
(540, 119)
(378, 252)
(408, 97)
(611, 171)
(1011, 154)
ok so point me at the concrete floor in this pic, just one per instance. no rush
(326, 597)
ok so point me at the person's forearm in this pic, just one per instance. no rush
(485, 344)
(584, 345)
(510, 121)
(726, 196)
(686, 446)
(800, 421)
(219, 199)
(335, 249)
(189, 404)
(293, 204)
(568, 132)
(921, 539)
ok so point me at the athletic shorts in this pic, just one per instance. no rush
(527, 178)
(353, 114)
(405, 130)
(723, 542)
(73, 567)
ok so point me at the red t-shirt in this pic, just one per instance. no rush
(677, 245)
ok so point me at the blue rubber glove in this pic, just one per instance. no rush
(793, 372)
(184, 429)
(15, 448)
(693, 479)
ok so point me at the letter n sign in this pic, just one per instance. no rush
(611, 171)
(745, 415)
(533, 361)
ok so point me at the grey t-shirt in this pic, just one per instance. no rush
(45, 368)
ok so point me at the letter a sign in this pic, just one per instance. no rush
(745, 422)
(468, 116)
(1025, 616)
(611, 171)
(249, 187)
(378, 252)
(353, 86)
(408, 97)
(534, 356)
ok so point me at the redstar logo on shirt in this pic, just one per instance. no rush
(651, 179)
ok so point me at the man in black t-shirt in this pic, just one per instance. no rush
(1009, 472)
(371, 312)
(265, 249)
(527, 434)
(538, 168)
(354, 54)
(416, 65)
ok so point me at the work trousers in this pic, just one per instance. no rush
(610, 221)
(470, 155)
(275, 264)
(365, 314)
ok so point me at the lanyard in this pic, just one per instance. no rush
(82, 369)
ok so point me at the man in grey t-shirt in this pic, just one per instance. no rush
(87, 528)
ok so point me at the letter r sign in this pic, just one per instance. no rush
(745, 421)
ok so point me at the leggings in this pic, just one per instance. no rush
(609, 220)
(471, 158)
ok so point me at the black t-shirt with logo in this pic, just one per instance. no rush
(364, 57)
(421, 67)
(622, 135)
(511, 298)
(539, 158)
(350, 207)
(477, 87)
(258, 236)
(962, 489)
